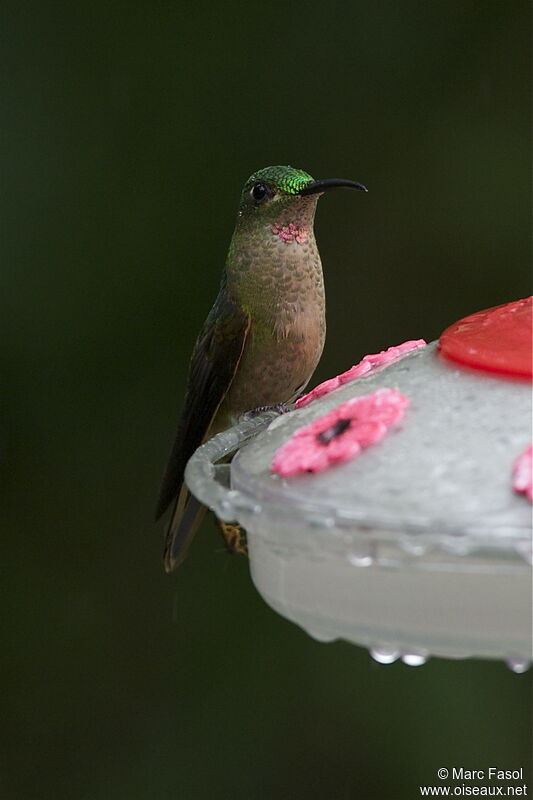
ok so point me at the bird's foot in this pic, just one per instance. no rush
(234, 537)
(279, 408)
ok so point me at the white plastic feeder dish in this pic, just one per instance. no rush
(419, 546)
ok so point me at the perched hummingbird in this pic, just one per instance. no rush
(263, 337)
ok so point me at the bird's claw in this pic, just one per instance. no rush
(234, 537)
(279, 408)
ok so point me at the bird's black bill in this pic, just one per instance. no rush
(331, 183)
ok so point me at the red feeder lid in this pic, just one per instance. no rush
(495, 340)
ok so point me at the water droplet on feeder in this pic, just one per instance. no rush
(385, 655)
(360, 560)
(518, 665)
(414, 659)
(226, 507)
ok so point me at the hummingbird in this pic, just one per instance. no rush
(264, 335)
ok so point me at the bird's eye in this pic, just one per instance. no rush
(259, 192)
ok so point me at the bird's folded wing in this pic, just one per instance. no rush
(213, 365)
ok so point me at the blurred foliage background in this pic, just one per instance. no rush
(128, 131)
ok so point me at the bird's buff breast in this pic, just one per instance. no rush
(281, 286)
(274, 369)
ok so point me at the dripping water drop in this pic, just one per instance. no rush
(385, 655)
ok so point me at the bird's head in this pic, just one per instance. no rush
(274, 190)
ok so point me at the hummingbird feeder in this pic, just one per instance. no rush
(392, 507)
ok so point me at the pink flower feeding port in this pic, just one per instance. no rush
(367, 364)
(523, 473)
(412, 540)
(341, 434)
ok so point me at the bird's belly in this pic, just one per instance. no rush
(272, 370)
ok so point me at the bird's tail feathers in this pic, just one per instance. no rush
(186, 516)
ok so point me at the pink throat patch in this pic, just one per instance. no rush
(289, 233)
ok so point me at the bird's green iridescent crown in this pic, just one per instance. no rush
(286, 179)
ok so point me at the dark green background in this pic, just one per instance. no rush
(128, 130)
